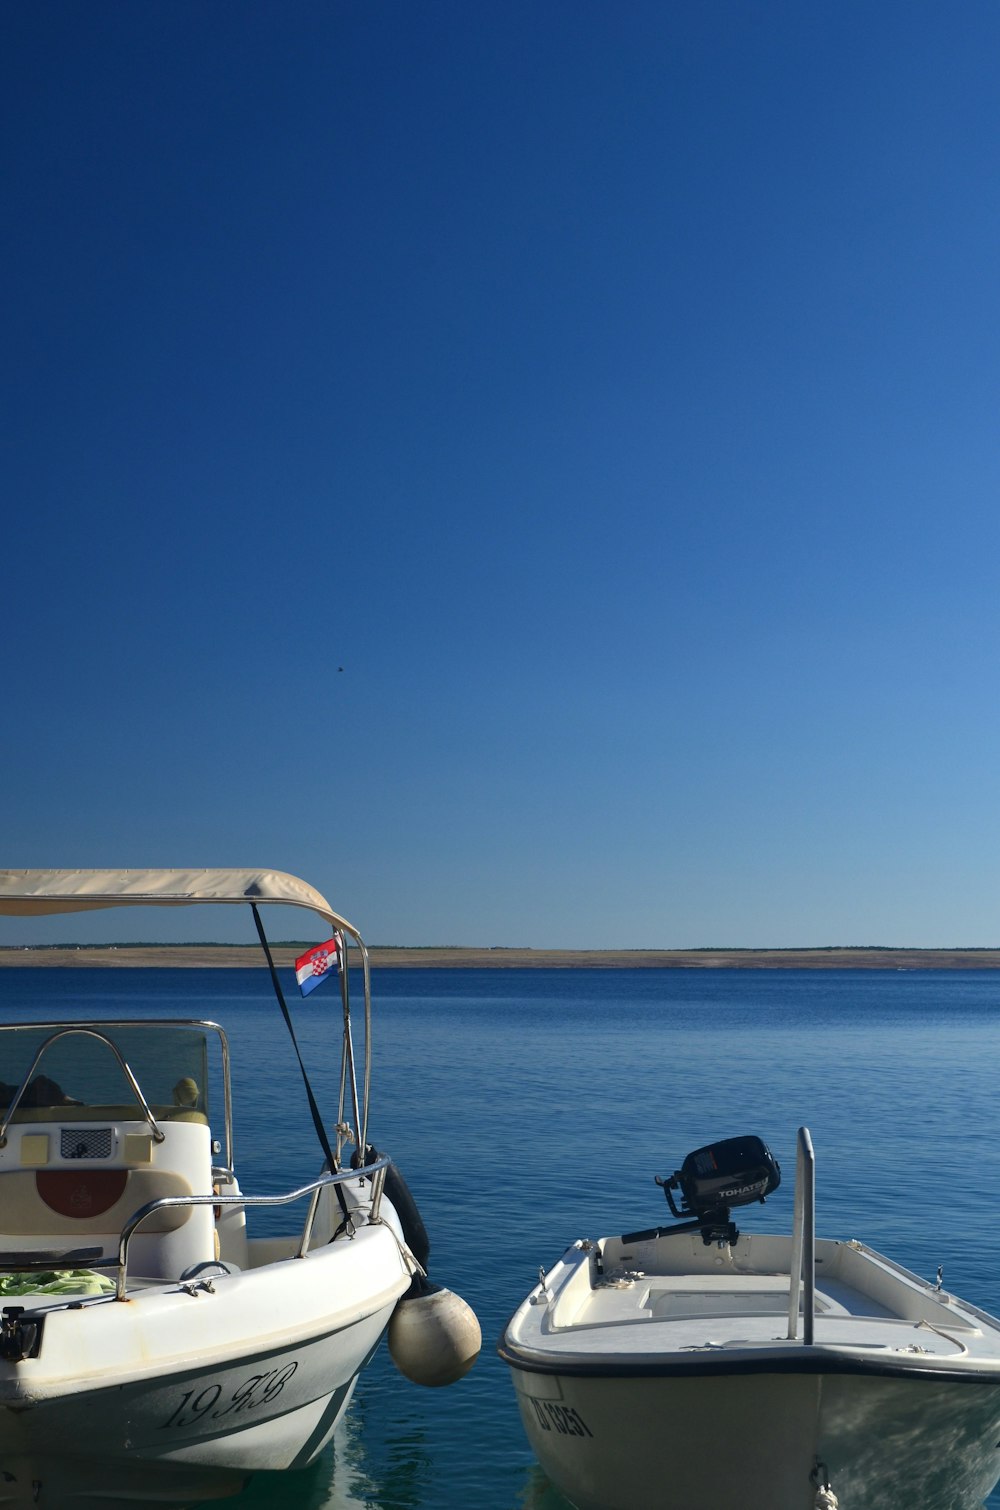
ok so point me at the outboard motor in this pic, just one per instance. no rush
(734, 1172)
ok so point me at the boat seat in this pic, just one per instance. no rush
(74, 1183)
(42, 1201)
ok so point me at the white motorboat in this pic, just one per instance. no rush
(695, 1365)
(153, 1348)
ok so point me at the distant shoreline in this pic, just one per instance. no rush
(238, 956)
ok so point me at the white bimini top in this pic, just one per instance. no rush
(36, 893)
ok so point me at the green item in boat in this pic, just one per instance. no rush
(56, 1282)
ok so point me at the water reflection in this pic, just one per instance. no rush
(337, 1481)
(344, 1477)
(538, 1493)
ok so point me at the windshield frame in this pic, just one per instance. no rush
(107, 1026)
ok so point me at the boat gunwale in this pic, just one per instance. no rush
(779, 1358)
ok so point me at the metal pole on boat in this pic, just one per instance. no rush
(366, 1089)
(802, 1271)
(348, 1059)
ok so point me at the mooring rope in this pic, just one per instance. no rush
(825, 1497)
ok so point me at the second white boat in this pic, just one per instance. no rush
(695, 1365)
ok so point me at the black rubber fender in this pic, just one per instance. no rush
(399, 1193)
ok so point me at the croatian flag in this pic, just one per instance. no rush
(315, 965)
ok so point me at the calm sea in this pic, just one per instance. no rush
(529, 1108)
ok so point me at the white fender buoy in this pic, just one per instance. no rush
(434, 1335)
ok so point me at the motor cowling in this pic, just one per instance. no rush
(713, 1179)
(732, 1172)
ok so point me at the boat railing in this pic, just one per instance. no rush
(377, 1169)
(802, 1273)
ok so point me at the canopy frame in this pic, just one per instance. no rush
(48, 893)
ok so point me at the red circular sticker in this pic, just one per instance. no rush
(80, 1192)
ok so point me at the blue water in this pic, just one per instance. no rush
(528, 1108)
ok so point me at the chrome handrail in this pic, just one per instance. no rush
(167, 1202)
(802, 1270)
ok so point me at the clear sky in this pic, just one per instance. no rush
(610, 389)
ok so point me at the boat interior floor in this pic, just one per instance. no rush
(675, 1295)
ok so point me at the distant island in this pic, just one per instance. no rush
(235, 956)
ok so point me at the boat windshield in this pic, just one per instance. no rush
(168, 1060)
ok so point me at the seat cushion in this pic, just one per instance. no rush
(49, 1202)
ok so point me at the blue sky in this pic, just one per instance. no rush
(611, 390)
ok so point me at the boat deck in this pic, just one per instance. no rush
(641, 1302)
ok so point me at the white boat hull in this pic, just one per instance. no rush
(753, 1442)
(656, 1373)
(180, 1390)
